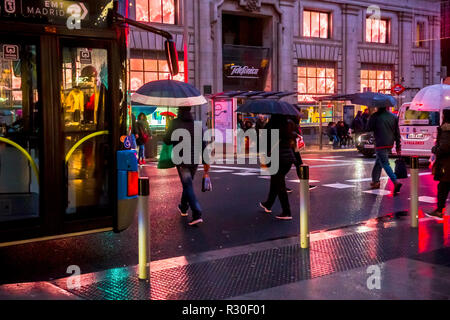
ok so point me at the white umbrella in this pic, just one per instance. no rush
(432, 98)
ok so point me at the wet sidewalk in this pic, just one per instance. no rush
(380, 259)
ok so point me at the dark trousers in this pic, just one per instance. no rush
(188, 198)
(278, 188)
(298, 162)
(443, 190)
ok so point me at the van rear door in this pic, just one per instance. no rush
(418, 130)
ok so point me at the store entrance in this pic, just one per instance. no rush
(246, 52)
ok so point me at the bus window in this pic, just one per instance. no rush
(85, 116)
(19, 128)
(424, 118)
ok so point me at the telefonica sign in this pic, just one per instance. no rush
(244, 71)
(245, 67)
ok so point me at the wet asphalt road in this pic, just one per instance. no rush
(231, 213)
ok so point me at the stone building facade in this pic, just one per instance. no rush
(310, 47)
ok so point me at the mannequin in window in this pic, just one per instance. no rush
(95, 87)
(75, 104)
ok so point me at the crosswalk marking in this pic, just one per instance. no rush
(339, 185)
(365, 179)
(427, 199)
(246, 173)
(298, 181)
(378, 192)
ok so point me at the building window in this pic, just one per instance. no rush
(159, 11)
(151, 66)
(377, 30)
(316, 24)
(315, 78)
(420, 35)
(376, 78)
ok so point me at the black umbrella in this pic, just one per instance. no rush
(373, 99)
(268, 106)
(170, 93)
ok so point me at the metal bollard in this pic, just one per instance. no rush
(414, 204)
(304, 206)
(143, 227)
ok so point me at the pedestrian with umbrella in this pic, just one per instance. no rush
(169, 117)
(279, 111)
(386, 131)
(171, 93)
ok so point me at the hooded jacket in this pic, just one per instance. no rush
(385, 129)
(442, 152)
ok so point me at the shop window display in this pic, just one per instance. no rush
(377, 78)
(159, 11)
(316, 24)
(377, 30)
(315, 79)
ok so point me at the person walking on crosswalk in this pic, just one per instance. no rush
(386, 131)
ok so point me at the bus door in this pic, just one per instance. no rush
(86, 117)
(20, 125)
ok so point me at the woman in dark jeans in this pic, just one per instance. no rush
(142, 135)
(187, 169)
(287, 136)
(441, 166)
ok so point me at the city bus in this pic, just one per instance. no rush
(63, 119)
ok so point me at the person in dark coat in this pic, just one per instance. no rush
(386, 131)
(358, 125)
(333, 134)
(441, 167)
(298, 157)
(342, 132)
(365, 117)
(187, 169)
(287, 137)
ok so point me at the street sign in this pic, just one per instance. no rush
(398, 89)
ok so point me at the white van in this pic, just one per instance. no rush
(418, 130)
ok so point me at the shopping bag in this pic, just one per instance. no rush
(206, 183)
(165, 157)
(299, 143)
(400, 169)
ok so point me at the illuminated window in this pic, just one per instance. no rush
(377, 30)
(160, 11)
(151, 66)
(377, 78)
(420, 35)
(316, 24)
(315, 79)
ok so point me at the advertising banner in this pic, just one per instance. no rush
(223, 119)
(244, 67)
(73, 14)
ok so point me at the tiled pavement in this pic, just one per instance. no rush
(406, 263)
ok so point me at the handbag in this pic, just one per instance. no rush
(165, 157)
(144, 138)
(299, 143)
(400, 169)
(206, 183)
